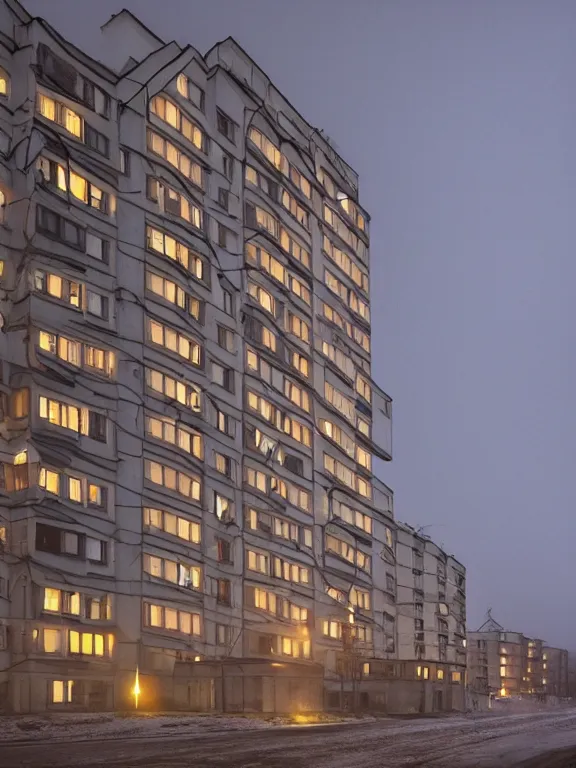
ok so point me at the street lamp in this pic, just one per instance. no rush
(136, 690)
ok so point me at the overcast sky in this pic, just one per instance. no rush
(459, 117)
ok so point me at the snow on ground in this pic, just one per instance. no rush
(102, 726)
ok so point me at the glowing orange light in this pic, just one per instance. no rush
(136, 690)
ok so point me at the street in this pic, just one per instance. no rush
(543, 740)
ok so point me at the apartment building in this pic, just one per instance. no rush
(431, 623)
(511, 665)
(555, 672)
(188, 422)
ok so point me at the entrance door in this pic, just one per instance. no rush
(438, 701)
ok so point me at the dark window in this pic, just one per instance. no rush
(225, 423)
(96, 550)
(223, 634)
(225, 126)
(223, 198)
(48, 538)
(228, 302)
(224, 377)
(96, 140)
(124, 162)
(97, 426)
(19, 403)
(224, 551)
(225, 338)
(171, 201)
(57, 540)
(57, 70)
(97, 305)
(222, 235)
(224, 592)
(294, 464)
(223, 464)
(14, 477)
(264, 644)
(52, 225)
(228, 167)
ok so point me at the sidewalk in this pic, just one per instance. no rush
(119, 725)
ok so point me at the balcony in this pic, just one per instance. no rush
(380, 412)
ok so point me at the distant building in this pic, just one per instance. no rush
(555, 672)
(431, 633)
(510, 664)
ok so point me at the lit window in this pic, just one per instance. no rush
(185, 164)
(51, 599)
(174, 389)
(166, 245)
(160, 617)
(174, 341)
(456, 677)
(190, 90)
(61, 691)
(174, 480)
(52, 641)
(4, 83)
(171, 114)
(49, 480)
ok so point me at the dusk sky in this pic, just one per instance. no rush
(459, 116)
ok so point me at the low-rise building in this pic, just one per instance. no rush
(555, 672)
(426, 671)
(511, 665)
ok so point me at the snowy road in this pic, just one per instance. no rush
(457, 742)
